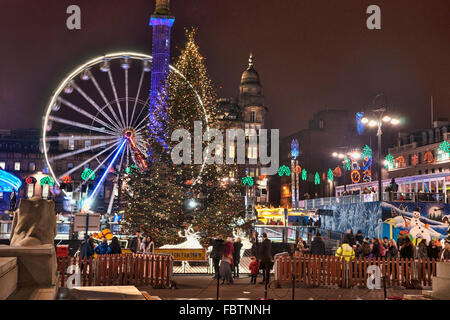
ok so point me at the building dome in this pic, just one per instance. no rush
(250, 75)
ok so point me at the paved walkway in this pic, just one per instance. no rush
(204, 287)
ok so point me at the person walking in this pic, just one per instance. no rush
(359, 238)
(135, 243)
(392, 252)
(265, 254)
(227, 262)
(216, 253)
(317, 245)
(363, 251)
(103, 247)
(90, 248)
(407, 249)
(147, 246)
(445, 255)
(237, 256)
(115, 246)
(254, 270)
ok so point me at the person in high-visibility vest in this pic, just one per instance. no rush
(346, 252)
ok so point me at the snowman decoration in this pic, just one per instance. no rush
(418, 230)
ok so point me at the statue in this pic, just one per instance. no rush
(34, 223)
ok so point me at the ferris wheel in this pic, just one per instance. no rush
(99, 113)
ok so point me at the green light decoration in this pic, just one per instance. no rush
(317, 178)
(304, 175)
(47, 180)
(347, 164)
(444, 147)
(284, 170)
(390, 162)
(367, 152)
(247, 180)
(132, 169)
(330, 175)
(87, 174)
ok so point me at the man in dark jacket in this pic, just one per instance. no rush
(236, 256)
(265, 256)
(90, 248)
(318, 245)
(135, 243)
(359, 237)
(216, 254)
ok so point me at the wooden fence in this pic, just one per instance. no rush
(332, 271)
(154, 270)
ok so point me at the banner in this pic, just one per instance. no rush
(185, 254)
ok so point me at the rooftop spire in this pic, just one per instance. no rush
(162, 7)
(250, 61)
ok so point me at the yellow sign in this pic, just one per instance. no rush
(185, 254)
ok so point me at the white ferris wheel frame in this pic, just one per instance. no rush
(64, 83)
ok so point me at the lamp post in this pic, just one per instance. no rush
(344, 156)
(376, 118)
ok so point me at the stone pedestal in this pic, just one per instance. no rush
(8, 277)
(441, 283)
(37, 265)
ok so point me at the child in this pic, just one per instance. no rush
(254, 269)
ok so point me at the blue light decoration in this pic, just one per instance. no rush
(367, 163)
(9, 182)
(359, 125)
(162, 23)
(294, 148)
(88, 202)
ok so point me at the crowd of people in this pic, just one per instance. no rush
(356, 246)
(137, 244)
(226, 255)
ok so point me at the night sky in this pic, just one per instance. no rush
(311, 55)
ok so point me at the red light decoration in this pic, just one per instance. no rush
(400, 162)
(415, 160)
(428, 157)
(297, 169)
(66, 179)
(337, 172)
(356, 176)
(30, 180)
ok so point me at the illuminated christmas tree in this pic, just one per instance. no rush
(167, 197)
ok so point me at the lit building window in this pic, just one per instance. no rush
(87, 143)
(3, 165)
(70, 165)
(16, 166)
(32, 166)
(45, 191)
(30, 190)
(252, 116)
(71, 144)
(320, 124)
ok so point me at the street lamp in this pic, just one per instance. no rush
(376, 118)
(349, 152)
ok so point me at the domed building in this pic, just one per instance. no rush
(248, 112)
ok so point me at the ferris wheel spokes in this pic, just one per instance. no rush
(111, 80)
(89, 160)
(126, 96)
(102, 94)
(96, 106)
(85, 149)
(80, 125)
(78, 138)
(137, 96)
(86, 114)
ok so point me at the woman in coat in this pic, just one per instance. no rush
(115, 246)
(227, 262)
(392, 252)
(147, 246)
